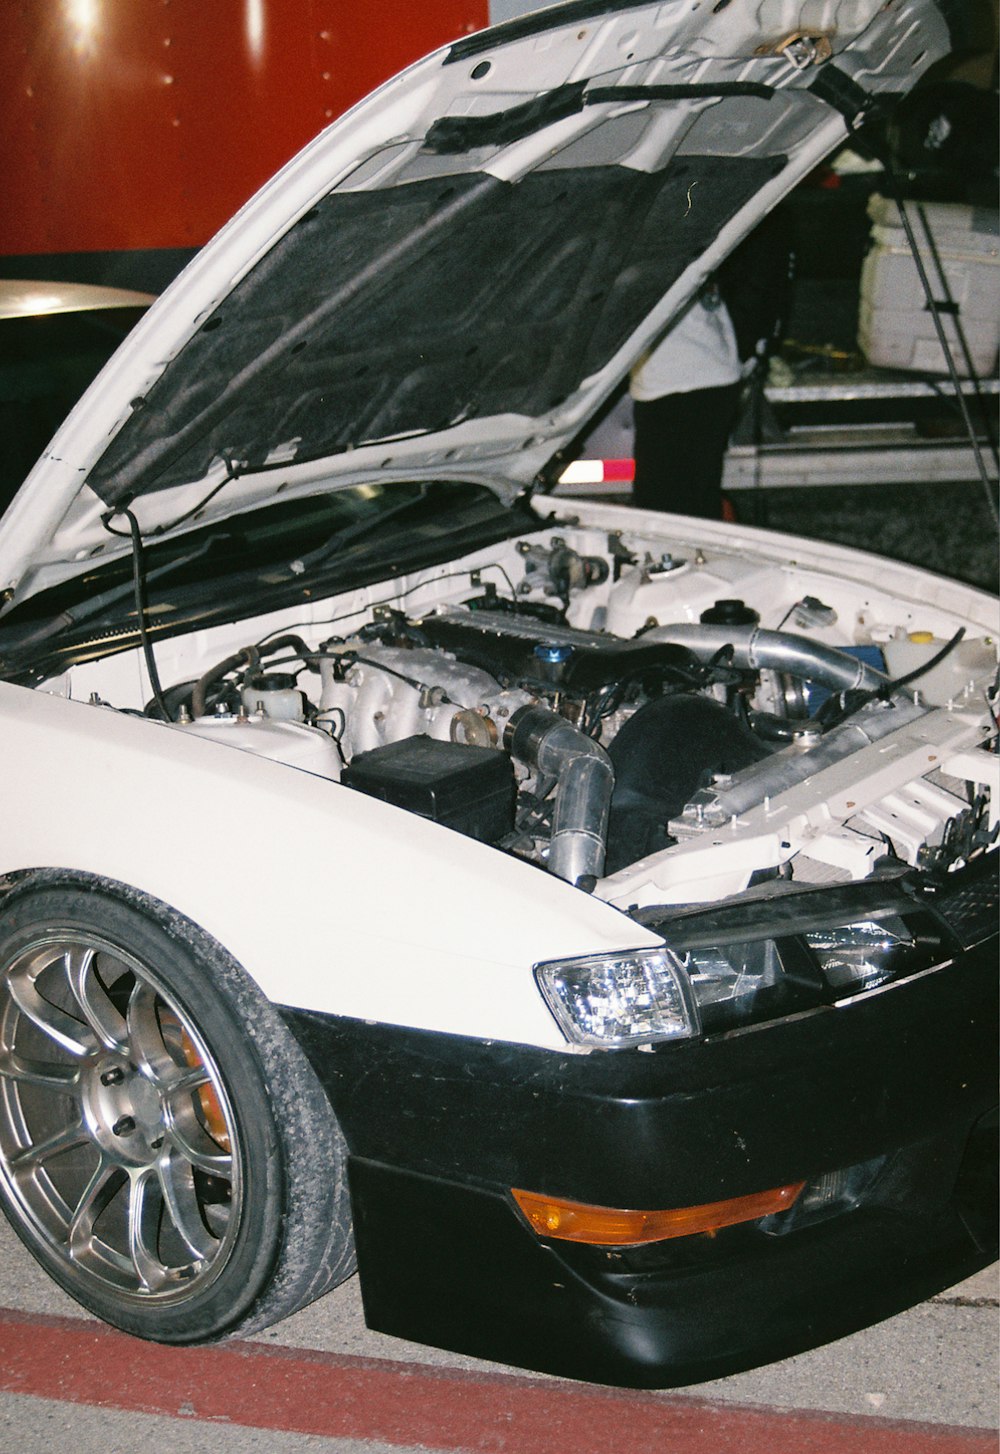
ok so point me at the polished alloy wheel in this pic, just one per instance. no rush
(118, 1143)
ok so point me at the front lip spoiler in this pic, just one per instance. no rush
(453, 1266)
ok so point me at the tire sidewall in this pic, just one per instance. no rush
(232, 1017)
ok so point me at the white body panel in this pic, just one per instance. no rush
(53, 524)
(330, 900)
(340, 903)
(411, 783)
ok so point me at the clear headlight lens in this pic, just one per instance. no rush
(726, 973)
(620, 999)
(862, 955)
(685, 990)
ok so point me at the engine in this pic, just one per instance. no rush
(681, 761)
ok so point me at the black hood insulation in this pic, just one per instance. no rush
(382, 314)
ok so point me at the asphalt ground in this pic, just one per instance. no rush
(921, 1383)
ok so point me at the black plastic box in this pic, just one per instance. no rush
(470, 789)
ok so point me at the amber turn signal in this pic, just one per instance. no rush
(612, 1227)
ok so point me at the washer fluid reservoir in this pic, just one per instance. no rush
(292, 743)
(971, 661)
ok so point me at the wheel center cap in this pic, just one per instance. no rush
(146, 1106)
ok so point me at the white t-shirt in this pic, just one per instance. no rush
(699, 352)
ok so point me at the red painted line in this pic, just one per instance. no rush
(338, 1396)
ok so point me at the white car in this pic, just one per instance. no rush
(584, 918)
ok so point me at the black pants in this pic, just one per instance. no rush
(680, 442)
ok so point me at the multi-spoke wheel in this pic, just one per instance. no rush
(165, 1149)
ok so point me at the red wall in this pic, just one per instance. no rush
(145, 123)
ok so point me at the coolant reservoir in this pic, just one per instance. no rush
(969, 662)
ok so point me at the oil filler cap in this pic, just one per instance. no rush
(729, 613)
(552, 658)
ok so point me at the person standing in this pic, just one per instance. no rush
(686, 390)
(685, 396)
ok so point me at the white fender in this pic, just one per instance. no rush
(331, 900)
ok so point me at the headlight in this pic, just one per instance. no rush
(620, 999)
(861, 956)
(801, 957)
(748, 980)
(731, 973)
(763, 979)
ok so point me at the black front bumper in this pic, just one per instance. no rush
(440, 1128)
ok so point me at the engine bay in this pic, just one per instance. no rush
(650, 724)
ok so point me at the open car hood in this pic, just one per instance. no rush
(452, 278)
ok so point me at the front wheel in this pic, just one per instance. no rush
(166, 1151)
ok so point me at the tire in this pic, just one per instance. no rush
(166, 1151)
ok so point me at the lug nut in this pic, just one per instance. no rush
(124, 1126)
(115, 1076)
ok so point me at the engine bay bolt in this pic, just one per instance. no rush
(114, 1076)
(124, 1126)
(806, 737)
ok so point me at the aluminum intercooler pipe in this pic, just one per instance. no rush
(783, 651)
(584, 778)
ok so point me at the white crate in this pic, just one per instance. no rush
(895, 326)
